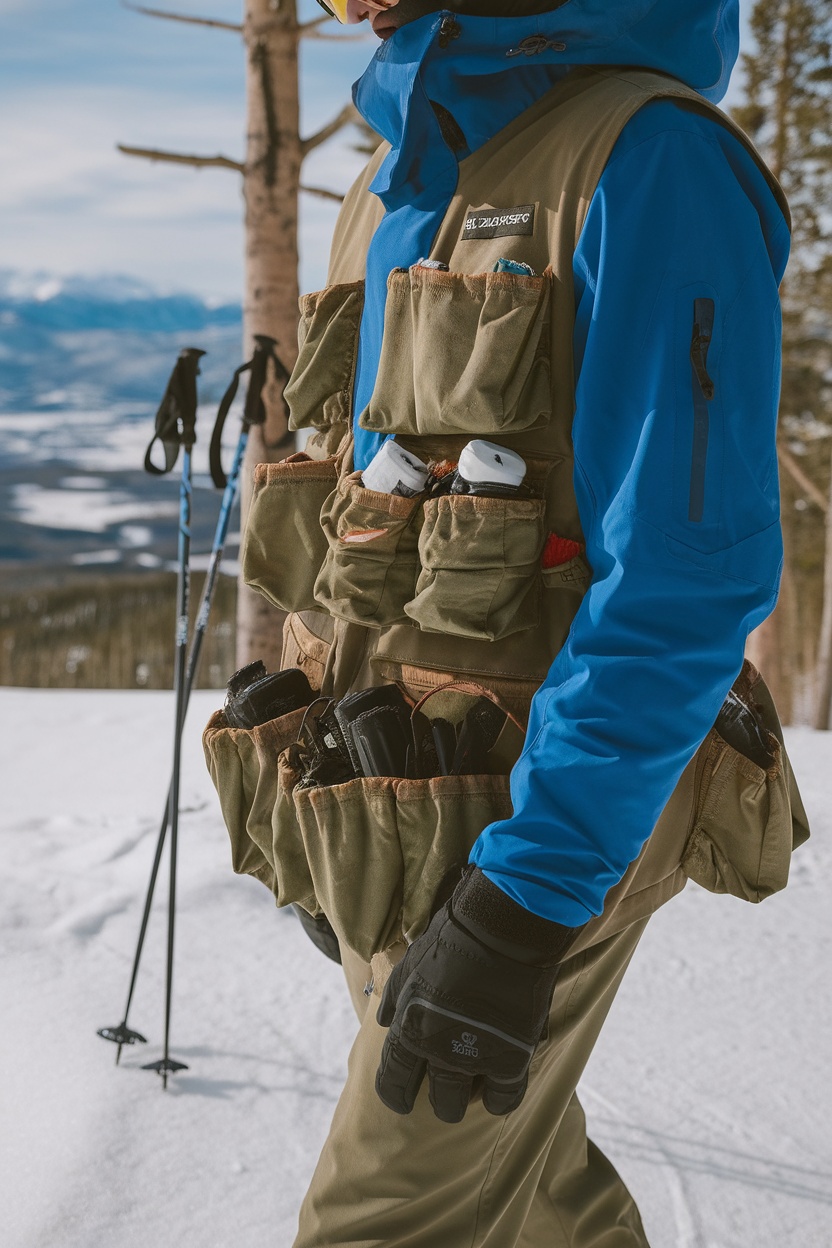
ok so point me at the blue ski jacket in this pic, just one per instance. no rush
(681, 212)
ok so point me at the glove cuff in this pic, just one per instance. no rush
(501, 924)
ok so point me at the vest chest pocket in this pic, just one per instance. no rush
(284, 544)
(463, 353)
(319, 392)
(480, 575)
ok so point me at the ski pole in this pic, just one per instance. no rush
(123, 1034)
(254, 413)
(186, 428)
(175, 427)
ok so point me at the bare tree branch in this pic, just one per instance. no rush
(306, 29)
(805, 482)
(309, 31)
(324, 193)
(347, 114)
(183, 17)
(183, 158)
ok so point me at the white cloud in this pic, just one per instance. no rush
(72, 203)
(79, 76)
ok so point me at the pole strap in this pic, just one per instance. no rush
(254, 412)
(176, 417)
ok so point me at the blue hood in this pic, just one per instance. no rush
(490, 65)
(696, 41)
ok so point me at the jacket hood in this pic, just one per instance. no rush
(486, 70)
(696, 41)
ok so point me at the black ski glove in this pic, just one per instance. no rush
(469, 1003)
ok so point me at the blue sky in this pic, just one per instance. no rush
(79, 76)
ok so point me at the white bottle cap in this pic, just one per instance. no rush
(394, 470)
(485, 462)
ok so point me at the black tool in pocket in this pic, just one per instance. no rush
(441, 748)
(375, 725)
(476, 736)
(254, 696)
(739, 726)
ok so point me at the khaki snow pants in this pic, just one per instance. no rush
(530, 1179)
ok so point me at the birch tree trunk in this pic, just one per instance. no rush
(270, 189)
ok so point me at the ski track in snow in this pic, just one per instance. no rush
(709, 1088)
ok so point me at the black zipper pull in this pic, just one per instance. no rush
(703, 327)
(449, 30)
(703, 392)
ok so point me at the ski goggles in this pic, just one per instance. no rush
(339, 8)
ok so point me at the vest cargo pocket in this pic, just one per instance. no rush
(378, 849)
(370, 567)
(463, 353)
(480, 559)
(319, 392)
(748, 819)
(244, 768)
(439, 820)
(372, 853)
(284, 545)
(354, 860)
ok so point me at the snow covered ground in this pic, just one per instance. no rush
(710, 1087)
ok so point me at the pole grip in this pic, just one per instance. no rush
(176, 416)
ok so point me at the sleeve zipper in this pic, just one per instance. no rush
(703, 393)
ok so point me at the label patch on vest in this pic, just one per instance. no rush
(499, 222)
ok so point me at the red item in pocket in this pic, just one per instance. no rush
(560, 550)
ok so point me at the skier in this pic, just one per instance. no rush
(564, 248)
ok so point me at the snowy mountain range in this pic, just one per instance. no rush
(83, 365)
(79, 342)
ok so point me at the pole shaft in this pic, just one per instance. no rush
(182, 597)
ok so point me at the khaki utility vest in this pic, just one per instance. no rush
(456, 586)
(454, 589)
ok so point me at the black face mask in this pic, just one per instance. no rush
(411, 10)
